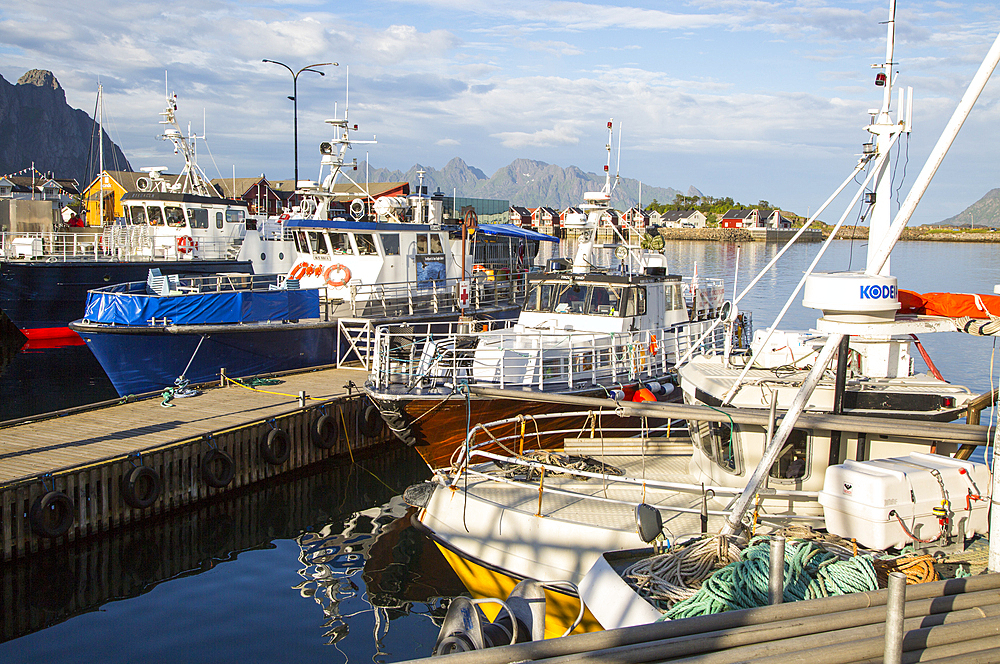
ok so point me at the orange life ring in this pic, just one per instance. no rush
(298, 271)
(337, 268)
(186, 244)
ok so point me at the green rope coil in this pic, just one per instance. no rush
(810, 572)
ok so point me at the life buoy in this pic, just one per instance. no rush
(370, 421)
(51, 514)
(186, 244)
(337, 283)
(652, 344)
(298, 271)
(275, 448)
(217, 468)
(141, 486)
(325, 432)
(643, 395)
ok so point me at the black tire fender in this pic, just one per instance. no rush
(217, 468)
(51, 514)
(325, 432)
(141, 486)
(370, 421)
(275, 447)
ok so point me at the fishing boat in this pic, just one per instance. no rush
(397, 260)
(582, 330)
(173, 223)
(831, 430)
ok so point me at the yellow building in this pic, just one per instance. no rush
(116, 184)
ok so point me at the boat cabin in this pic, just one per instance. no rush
(186, 226)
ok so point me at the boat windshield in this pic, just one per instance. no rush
(594, 300)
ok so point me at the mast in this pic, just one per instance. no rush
(100, 143)
(883, 129)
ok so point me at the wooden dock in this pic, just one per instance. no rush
(90, 456)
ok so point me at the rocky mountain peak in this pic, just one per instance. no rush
(41, 78)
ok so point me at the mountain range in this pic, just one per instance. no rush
(38, 128)
(525, 182)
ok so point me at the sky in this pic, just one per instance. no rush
(757, 100)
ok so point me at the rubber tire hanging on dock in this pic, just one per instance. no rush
(141, 486)
(51, 515)
(370, 421)
(325, 432)
(217, 468)
(275, 448)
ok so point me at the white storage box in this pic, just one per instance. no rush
(27, 247)
(858, 498)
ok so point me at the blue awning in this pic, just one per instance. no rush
(510, 230)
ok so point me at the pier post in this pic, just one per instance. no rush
(776, 580)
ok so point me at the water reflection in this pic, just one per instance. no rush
(337, 514)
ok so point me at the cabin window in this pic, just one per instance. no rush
(791, 463)
(198, 217)
(716, 441)
(234, 216)
(635, 301)
(138, 214)
(175, 216)
(572, 299)
(366, 244)
(155, 215)
(540, 298)
(672, 297)
(605, 301)
(390, 243)
(6, 191)
(341, 244)
(429, 243)
(218, 220)
(317, 243)
(301, 245)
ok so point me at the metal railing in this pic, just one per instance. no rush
(118, 242)
(432, 297)
(507, 355)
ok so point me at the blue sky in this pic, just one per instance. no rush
(754, 100)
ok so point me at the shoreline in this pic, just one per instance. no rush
(861, 233)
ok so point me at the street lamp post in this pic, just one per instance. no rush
(295, 103)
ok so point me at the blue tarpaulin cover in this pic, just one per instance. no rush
(510, 230)
(122, 308)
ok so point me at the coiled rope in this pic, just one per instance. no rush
(811, 571)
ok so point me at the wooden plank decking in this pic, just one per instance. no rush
(47, 445)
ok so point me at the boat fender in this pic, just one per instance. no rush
(643, 395)
(418, 495)
(341, 269)
(370, 421)
(325, 432)
(51, 515)
(617, 395)
(141, 486)
(654, 387)
(217, 468)
(275, 448)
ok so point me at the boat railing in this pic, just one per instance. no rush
(507, 355)
(434, 296)
(115, 242)
(516, 463)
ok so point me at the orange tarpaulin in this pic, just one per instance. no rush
(950, 305)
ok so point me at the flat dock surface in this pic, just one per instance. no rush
(33, 448)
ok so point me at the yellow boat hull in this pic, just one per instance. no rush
(484, 581)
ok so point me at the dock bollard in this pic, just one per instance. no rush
(302, 398)
(894, 610)
(776, 579)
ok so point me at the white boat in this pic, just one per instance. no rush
(173, 223)
(399, 261)
(582, 330)
(862, 447)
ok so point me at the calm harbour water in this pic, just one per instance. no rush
(311, 567)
